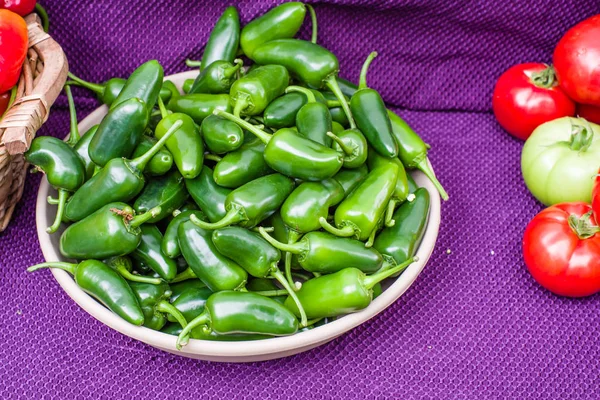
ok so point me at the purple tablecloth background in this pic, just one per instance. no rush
(473, 326)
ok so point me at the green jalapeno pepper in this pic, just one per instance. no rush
(119, 180)
(402, 240)
(172, 329)
(292, 154)
(342, 292)
(187, 85)
(154, 300)
(216, 78)
(313, 120)
(172, 89)
(105, 285)
(252, 93)
(199, 105)
(337, 112)
(221, 135)
(162, 161)
(228, 312)
(224, 39)
(412, 185)
(119, 229)
(82, 150)
(348, 88)
(211, 267)
(123, 265)
(281, 112)
(190, 302)
(177, 289)
(360, 214)
(351, 178)
(242, 166)
(144, 83)
(209, 196)
(283, 21)
(353, 145)
(263, 285)
(170, 243)
(252, 203)
(280, 229)
(413, 151)
(167, 192)
(336, 127)
(371, 115)
(149, 252)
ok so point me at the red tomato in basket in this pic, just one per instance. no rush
(526, 96)
(589, 112)
(21, 7)
(13, 48)
(561, 247)
(577, 61)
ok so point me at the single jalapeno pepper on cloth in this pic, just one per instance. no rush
(292, 154)
(216, 78)
(402, 240)
(170, 242)
(228, 312)
(371, 115)
(199, 105)
(211, 267)
(337, 112)
(61, 165)
(361, 212)
(120, 132)
(144, 83)
(224, 39)
(179, 288)
(154, 300)
(342, 292)
(209, 196)
(242, 166)
(105, 285)
(353, 145)
(167, 192)
(119, 180)
(413, 150)
(252, 93)
(149, 252)
(190, 302)
(283, 21)
(325, 253)
(220, 135)
(313, 120)
(252, 203)
(401, 192)
(351, 178)
(113, 230)
(82, 150)
(123, 265)
(162, 161)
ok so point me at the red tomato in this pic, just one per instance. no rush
(596, 197)
(4, 100)
(526, 96)
(561, 248)
(591, 113)
(21, 7)
(577, 61)
(13, 48)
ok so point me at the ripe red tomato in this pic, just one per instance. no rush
(561, 248)
(577, 61)
(596, 197)
(589, 112)
(21, 7)
(526, 96)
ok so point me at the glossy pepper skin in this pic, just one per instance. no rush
(283, 21)
(82, 150)
(105, 285)
(242, 165)
(401, 190)
(111, 231)
(216, 78)
(293, 155)
(199, 105)
(402, 240)
(229, 312)
(185, 145)
(220, 135)
(361, 212)
(144, 83)
(191, 302)
(337, 112)
(313, 120)
(120, 132)
(209, 196)
(351, 178)
(252, 93)
(252, 203)
(13, 34)
(162, 161)
(371, 116)
(281, 112)
(149, 252)
(224, 39)
(179, 288)
(170, 242)
(167, 192)
(211, 267)
(154, 300)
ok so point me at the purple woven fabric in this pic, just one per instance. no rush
(473, 326)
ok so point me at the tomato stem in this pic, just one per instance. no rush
(581, 136)
(544, 79)
(583, 227)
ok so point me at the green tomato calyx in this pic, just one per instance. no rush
(583, 227)
(545, 78)
(581, 136)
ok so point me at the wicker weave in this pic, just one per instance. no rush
(42, 78)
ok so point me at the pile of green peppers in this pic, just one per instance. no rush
(262, 200)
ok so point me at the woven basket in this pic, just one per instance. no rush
(42, 78)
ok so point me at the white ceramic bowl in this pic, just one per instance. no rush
(230, 351)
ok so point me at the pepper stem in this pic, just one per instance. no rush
(69, 267)
(188, 273)
(332, 84)
(295, 248)
(240, 105)
(193, 63)
(309, 95)
(276, 273)
(167, 308)
(372, 280)
(184, 336)
(233, 216)
(63, 195)
(41, 11)
(139, 164)
(212, 157)
(288, 270)
(145, 217)
(230, 71)
(371, 239)
(162, 108)
(346, 231)
(74, 130)
(94, 87)
(423, 166)
(262, 135)
(272, 293)
(315, 26)
(340, 142)
(389, 214)
(362, 83)
(581, 136)
(136, 278)
(583, 227)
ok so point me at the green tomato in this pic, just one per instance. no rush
(560, 160)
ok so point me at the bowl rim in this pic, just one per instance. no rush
(306, 339)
